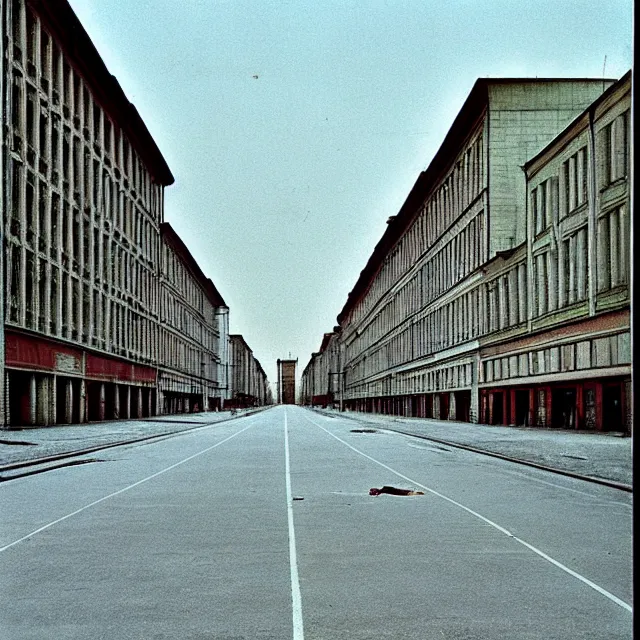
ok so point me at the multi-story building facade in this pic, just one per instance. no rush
(82, 201)
(566, 362)
(320, 382)
(192, 375)
(249, 383)
(451, 275)
(287, 381)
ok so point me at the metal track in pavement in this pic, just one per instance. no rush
(65, 456)
(603, 481)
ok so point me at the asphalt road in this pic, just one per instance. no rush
(263, 527)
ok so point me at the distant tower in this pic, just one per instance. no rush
(287, 381)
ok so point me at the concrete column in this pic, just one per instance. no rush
(68, 402)
(116, 402)
(532, 402)
(53, 411)
(149, 402)
(436, 406)
(512, 416)
(43, 400)
(452, 406)
(139, 403)
(102, 398)
(83, 401)
(599, 420)
(33, 399)
(579, 407)
(127, 408)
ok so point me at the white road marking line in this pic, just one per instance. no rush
(115, 493)
(296, 599)
(564, 568)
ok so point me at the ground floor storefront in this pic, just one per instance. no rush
(49, 382)
(600, 404)
(447, 405)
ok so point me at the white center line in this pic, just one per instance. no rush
(116, 493)
(296, 600)
(564, 568)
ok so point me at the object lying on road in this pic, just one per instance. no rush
(394, 491)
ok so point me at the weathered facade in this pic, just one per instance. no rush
(82, 201)
(249, 384)
(192, 376)
(451, 279)
(568, 363)
(106, 313)
(321, 379)
(287, 381)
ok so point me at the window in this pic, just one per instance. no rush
(541, 283)
(613, 249)
(613, 148)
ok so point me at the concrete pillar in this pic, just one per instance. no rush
(579, 407)
(127, 408)
(532, 402)
(116, 402)
(139, 403)
(102, 398)
(436, 406)
(33, 399)
(599, 420)
(452, 406)
(512, 416)
(83, 401)
(68, 402)
(43, 400)
(53, 414)
(150, 402)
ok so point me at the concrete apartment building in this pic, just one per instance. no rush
(414, 328)
(249, 383)
(82, 201)
(106, 313)
(567, 361)
(194, 323)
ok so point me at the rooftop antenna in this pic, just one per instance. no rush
(604, 66)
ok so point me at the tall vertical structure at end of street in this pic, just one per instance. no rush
(287, 381)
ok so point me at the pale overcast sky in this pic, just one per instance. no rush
(295, 128)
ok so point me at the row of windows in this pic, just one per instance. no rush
(76, 175)
(441, 272)
(40, 65)
(45, 298)
(452, 377)
(559, 196)
(457, 191)
(561, 275)
(179, 316)
(182, 355)
(177, 274)
(67, 238)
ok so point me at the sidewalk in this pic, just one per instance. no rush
(587, 453)
(30, 443)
